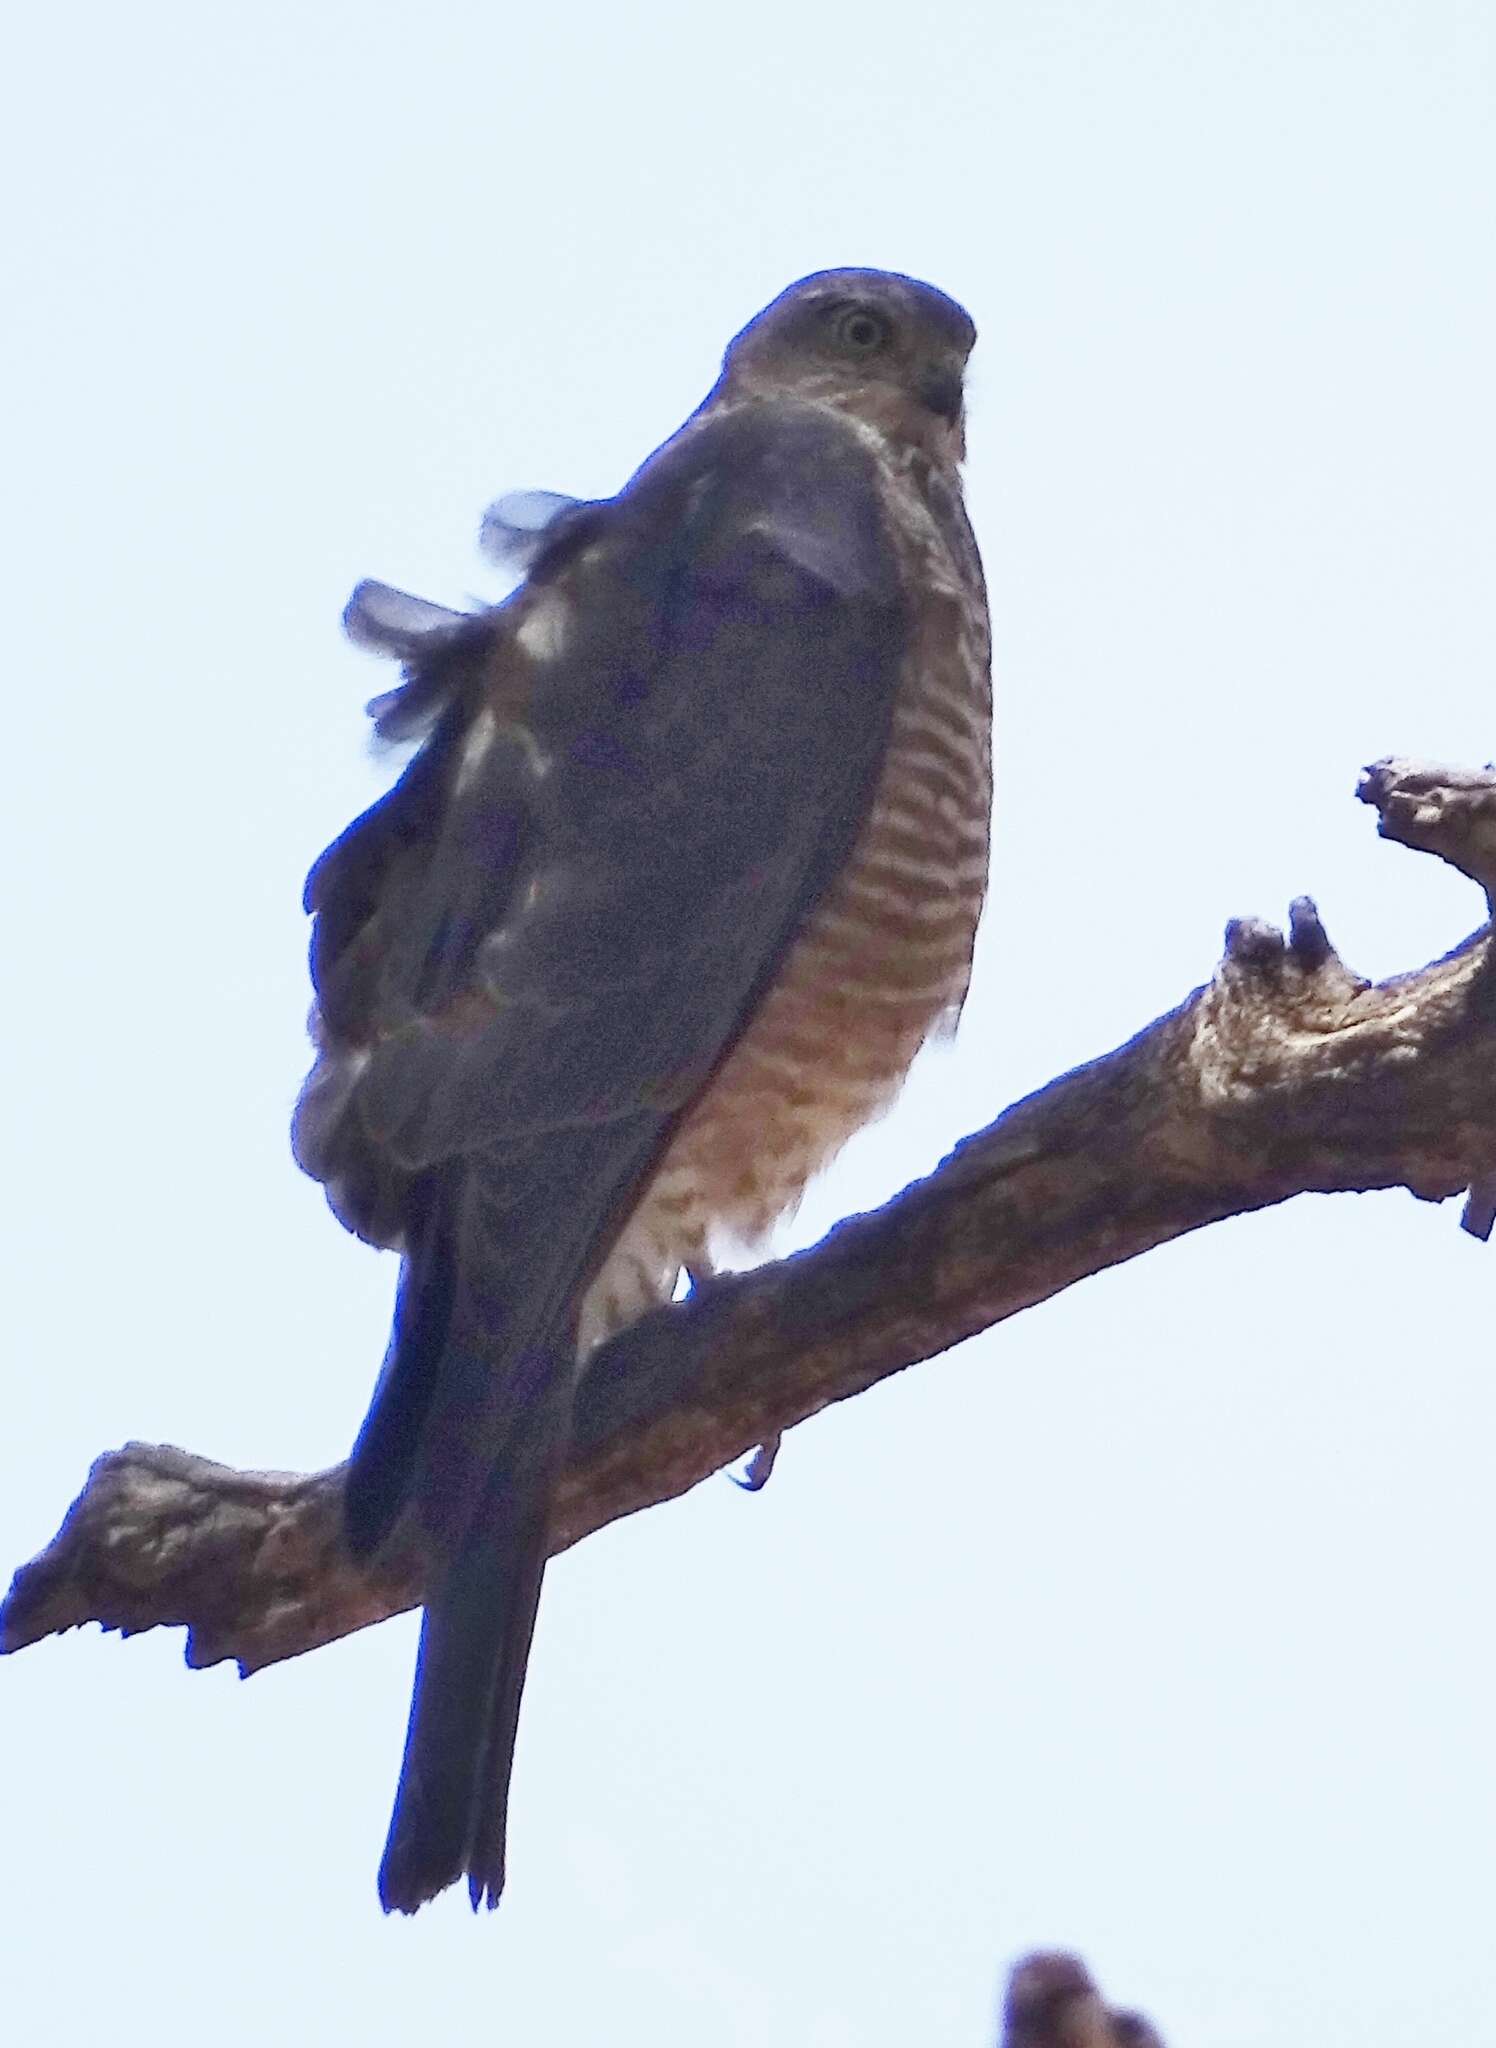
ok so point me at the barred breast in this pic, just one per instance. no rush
(882, 961)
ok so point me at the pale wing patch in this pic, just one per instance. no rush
(485, 729)
(481, 736)
(545, 628)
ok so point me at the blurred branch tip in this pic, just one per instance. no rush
(1052, 2002)
(1434, 809)
(1286, 1074)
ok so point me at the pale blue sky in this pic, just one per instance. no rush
(1155, 1623)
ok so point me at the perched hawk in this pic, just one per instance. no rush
(687, 867)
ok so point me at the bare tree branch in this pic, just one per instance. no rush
(1286, 1074)
(1447, 811)
(1052, 2002)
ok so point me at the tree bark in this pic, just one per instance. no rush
(1285, 1075)
(1052, 2002)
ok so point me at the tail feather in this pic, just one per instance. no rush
(383, 1463)
(486, 1849)
(468, 1426)
(467, 1433)
(451, 1807)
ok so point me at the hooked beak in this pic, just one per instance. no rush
(939, 387)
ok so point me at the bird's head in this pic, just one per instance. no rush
(873, 343)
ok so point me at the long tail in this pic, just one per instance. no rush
(452, 1804)
(467, 1429)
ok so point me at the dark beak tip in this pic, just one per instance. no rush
(940, 390)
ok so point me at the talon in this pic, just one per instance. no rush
(756, 1476)
(1480, 1210)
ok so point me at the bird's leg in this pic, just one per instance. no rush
(755, 1474)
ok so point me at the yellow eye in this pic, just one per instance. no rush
(861, 330)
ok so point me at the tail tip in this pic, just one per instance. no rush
(405, 1888)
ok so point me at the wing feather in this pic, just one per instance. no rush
(565, 915)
